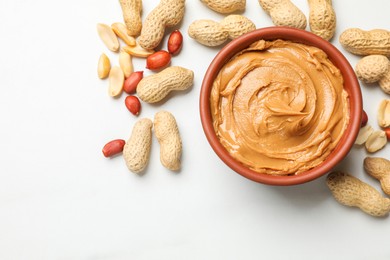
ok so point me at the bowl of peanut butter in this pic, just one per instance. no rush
(280, 106)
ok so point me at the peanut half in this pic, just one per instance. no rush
(108, 36)
(322, 18)
(167, 133)
(363, 135)
(104, 66)
(136, 151)
(121, 31)
(154, 88)
(116, 80)
(284, 13)
(362, 42)
(137, 51)
(225, 6)
(376, 141)
(384, 113)
(211, 33)
(126, 63)
(352, 192)
(379, 168)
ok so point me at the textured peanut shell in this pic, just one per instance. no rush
(284, 13)
(351, 191)
(379, 168)
(207, 32)
(212, 33)
(168, 136)
(168, 13)
(322, 18)
(372, 68)
(384, 82)
(154, 88)
(225, 6)
(136, 151)
(237, 25)
(132, 10)
(362, 42)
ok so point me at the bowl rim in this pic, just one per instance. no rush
(296, 35)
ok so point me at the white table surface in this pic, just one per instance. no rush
(61, 199)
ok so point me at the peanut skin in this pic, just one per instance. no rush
(168, 13)
(136, 151)
(211, 33)
(379, 168)
(284, 13)
(167, 133)
(225, 6)
(362, 42)
(131, 10)
(322, 18)
(351, 191)
(156, 87)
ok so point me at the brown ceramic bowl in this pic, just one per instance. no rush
(350, 84)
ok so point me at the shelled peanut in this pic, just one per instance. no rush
(104, 66)
(116, 79)
(384, 113)
(122, 32)
(158, 60)
(133, 104)
(212, 33)
(126, 63)
(108, 36)
(113, 147)
(175, 42)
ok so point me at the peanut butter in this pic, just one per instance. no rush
(279, 107)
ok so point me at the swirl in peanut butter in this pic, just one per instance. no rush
(279, 107)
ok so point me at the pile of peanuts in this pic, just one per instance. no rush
(373, 68)
(141, 40)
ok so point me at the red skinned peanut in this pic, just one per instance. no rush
(133, 105)
(113, 147)
(364, 119)
(130, 84)
(175, 42)
(158, 60)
